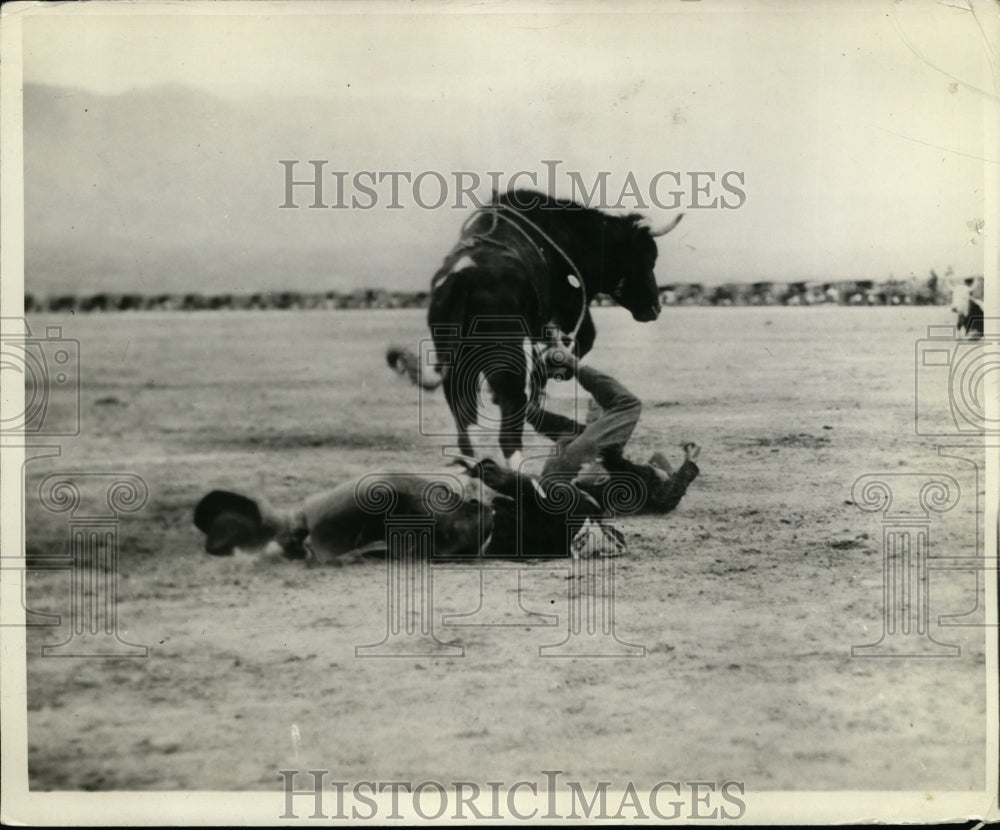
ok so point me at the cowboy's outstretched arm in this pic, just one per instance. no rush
(676, 486)
(674, 491)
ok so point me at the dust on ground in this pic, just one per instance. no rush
(747, 599)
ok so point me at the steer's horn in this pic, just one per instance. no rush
(666, 228)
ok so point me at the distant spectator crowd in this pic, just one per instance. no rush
(930, 291)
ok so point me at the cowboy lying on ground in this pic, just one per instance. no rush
(498, 514)
(495, 512)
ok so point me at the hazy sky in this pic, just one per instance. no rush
(857, 129)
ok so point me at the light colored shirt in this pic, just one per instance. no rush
(960, 298)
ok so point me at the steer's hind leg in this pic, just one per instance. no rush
(507, 380)
(463, 406)
(512, 409)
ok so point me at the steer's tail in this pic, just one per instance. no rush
(403, 361)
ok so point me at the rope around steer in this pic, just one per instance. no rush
(495, 211)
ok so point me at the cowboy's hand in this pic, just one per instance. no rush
(560, 363)
(492, 474)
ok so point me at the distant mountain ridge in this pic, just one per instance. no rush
(174, 189)
(171, 189)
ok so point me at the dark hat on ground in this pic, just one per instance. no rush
(228, 521)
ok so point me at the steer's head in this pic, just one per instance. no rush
(635, 286)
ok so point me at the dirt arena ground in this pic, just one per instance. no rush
(747, 599)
